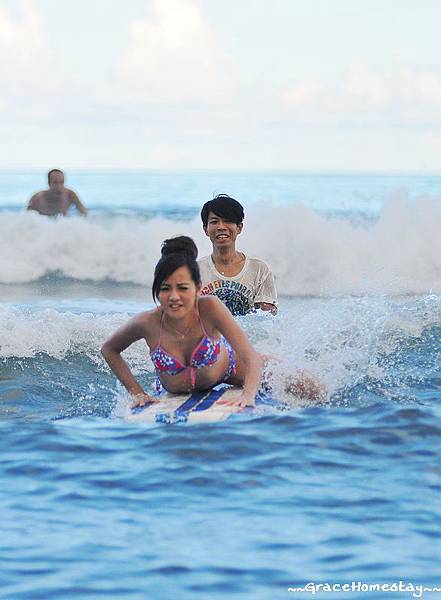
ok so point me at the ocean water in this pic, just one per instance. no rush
(343, 491)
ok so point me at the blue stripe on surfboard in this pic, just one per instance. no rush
(190, 402)
(212, 397)
(180, 414)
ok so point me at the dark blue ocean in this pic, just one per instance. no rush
(347, 491)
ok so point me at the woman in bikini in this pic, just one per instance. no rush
(194, 341)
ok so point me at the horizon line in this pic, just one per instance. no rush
(267, 171)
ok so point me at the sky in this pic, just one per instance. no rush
(244, 85)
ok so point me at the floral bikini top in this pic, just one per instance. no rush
(205, 354)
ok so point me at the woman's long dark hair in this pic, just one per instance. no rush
(180, 251)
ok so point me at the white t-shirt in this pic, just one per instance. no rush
(254, 283)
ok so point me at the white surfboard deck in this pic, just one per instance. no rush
(196, 407)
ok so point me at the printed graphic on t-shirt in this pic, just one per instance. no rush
(236, 296)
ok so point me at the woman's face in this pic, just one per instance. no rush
(178, 293)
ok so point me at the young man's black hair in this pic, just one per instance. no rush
(225, 207)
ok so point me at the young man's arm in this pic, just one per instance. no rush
(266, 296)
(267, 307)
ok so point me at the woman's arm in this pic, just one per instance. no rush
(124, 337)
(220, 317)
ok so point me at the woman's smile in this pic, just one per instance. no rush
(178, 292)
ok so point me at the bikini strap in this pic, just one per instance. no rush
(202, 326)
(160, 330)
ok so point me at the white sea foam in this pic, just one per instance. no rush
(28, 333)
(340, 341)
(308, 253)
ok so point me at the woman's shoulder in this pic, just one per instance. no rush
(208, 303)
(211, 308)
(146, 319)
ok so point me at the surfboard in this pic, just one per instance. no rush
(197, 407)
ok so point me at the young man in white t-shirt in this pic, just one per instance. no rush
(241, 282)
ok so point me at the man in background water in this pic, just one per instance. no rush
(58, 199)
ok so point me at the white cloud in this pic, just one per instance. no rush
(174, 56)
(34, 83)
(402, 96)
(24, 52)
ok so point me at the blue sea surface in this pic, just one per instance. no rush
(186, 191)
(344, 490)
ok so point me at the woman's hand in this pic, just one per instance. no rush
(241, 401)
(143, 400)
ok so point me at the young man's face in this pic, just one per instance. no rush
(222, 233)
